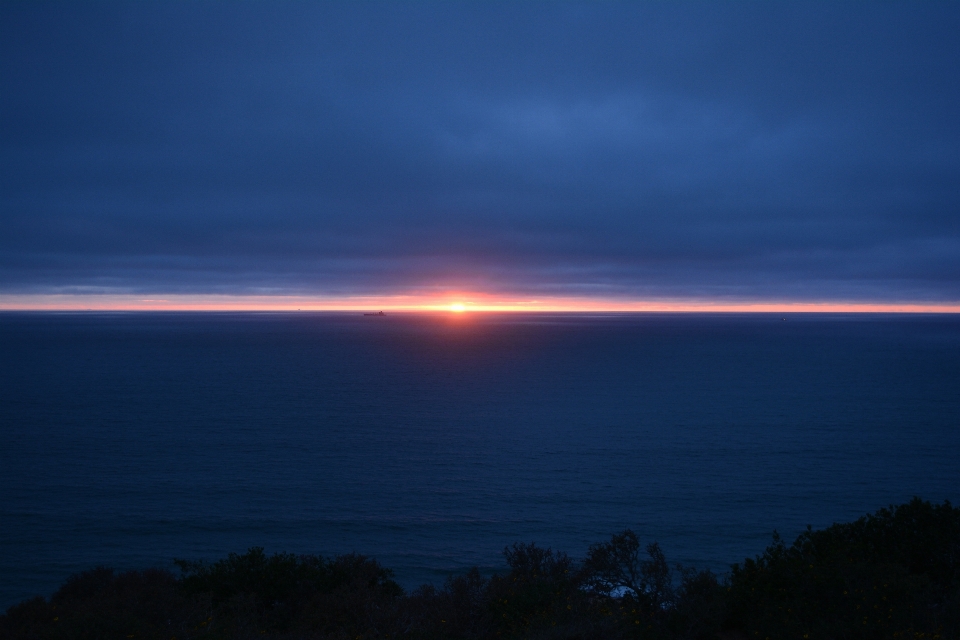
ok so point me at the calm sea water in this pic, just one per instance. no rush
(432, 441)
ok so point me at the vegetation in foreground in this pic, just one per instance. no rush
(892, 574)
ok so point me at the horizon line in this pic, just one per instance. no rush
(451, 302)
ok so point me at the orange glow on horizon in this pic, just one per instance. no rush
(458, 304)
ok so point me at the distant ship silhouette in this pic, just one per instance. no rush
(381, 313)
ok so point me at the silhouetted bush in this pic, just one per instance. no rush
(458, 610)
(101, 605)
(643, 594)
(892, 574)
(254, 594)
(541, 596)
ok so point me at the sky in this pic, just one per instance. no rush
(361, 154)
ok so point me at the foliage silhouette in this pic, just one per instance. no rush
(892, 574)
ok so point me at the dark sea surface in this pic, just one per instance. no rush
(432, 441)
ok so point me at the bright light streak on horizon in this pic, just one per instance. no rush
(442, 303)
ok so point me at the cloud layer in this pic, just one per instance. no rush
(745, 151)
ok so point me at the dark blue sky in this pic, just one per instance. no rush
(742, 151)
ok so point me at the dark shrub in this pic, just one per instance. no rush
(359, 600)
(459, 610)
(892, 574)
(699, 606)
(616, 567)
(636, 589)
(99, 604)
(255, 594)
(541, 597)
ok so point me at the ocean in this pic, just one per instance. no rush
(432, 441)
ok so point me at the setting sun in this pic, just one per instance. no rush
(458, 307)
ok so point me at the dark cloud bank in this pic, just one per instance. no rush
(742, 150)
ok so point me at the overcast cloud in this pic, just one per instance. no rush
(742, 150)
